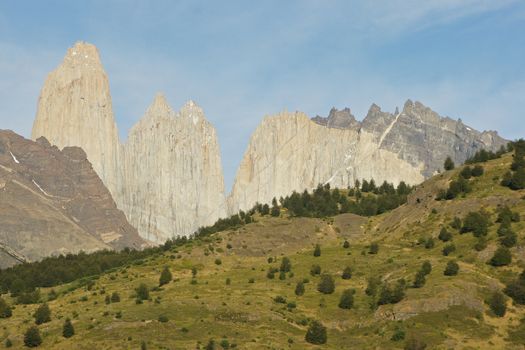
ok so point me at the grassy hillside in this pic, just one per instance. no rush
(221, 289)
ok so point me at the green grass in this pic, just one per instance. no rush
(447, 312)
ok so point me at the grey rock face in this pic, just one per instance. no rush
(338, 119)
(288, 152)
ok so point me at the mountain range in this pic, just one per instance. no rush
(167, 177)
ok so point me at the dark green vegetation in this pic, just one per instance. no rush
(378, 282)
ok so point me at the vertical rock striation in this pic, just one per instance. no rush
(173, 181)
(289, 152)
(74, 109)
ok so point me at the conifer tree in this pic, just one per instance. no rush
(449, 164)
(497, 304)
(5, 309)
(347, 299)
(299, 288)
(317, 250)
(68, 330)
(316, 333)
(451, 269)
(347, 273)
(165, 276)
(42, 314)
(32, 337)
(326, 284)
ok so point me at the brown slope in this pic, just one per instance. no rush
(53, 202)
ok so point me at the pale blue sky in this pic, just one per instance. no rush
(241, 60)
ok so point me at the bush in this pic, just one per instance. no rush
(5, 309)
(448, 249)
(449, 164)
(32, 337)
(163, 318)
(299, 288)
(8, 343)
(316, 333)
(392, 295)
(477, 171)
(509, 240)
(42, 314)
(481, 244)
(426, 267)
(347, 299)
(286, 265)
(165, 276)
(502, 257)
(142, 292)
(317, 250)
(315, 270)
(373, 285)
(346, 244)
(115, 297)
(444, 235)
(429, 244)
(218, 261)
(477, 223)
(451, 269)
(466, 172)
(347, 273)
(419, 280)
(497, 304)
(374, 248)
(398, 335)
(516, 289)
(68, 330)
(326, 285)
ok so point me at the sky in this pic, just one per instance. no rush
(243, 60)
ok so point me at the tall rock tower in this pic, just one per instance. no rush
(74, 109)
(173, 181)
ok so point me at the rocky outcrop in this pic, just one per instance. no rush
(74, 109)
(289, 152)
(53, 202)
(173, 181)
(167, 178)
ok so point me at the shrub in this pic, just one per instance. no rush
(68, 330)
(115, 297)
(317, 250)
(373, 285)
(477, 171)
(466, 172)
(218, 261)
(451, 269)
(419, 280)
(444, 235)
(347, 299)
(5, 309)
(280, 299)
(32, 337)
(326, 284)
(456, 223)
(481, 244)
(346, 244)
(429, 244)
(42, 314)
(509, 240)
(315, 270)
(163, 318)
(316, 333)
(516, 289)
(299, 288)
(502, 257)
(374, 248)
(271, 273)
(398, 335)
(497, 304)
(286, 265)
(426, 267)
(448, 249)
(392, 295)
(477, 223)
(347, 273)
(142, 292)
(449, 164)
(8, 343)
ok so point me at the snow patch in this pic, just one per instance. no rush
(388, 130)
(40, 188)
(14, 158)
(469, 129)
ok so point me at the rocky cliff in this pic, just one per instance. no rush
(167, 178)
(173, 181)
(53, 202)
(289, 152)
(74, 109)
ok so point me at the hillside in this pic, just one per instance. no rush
(52, 202)
(221, 288)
